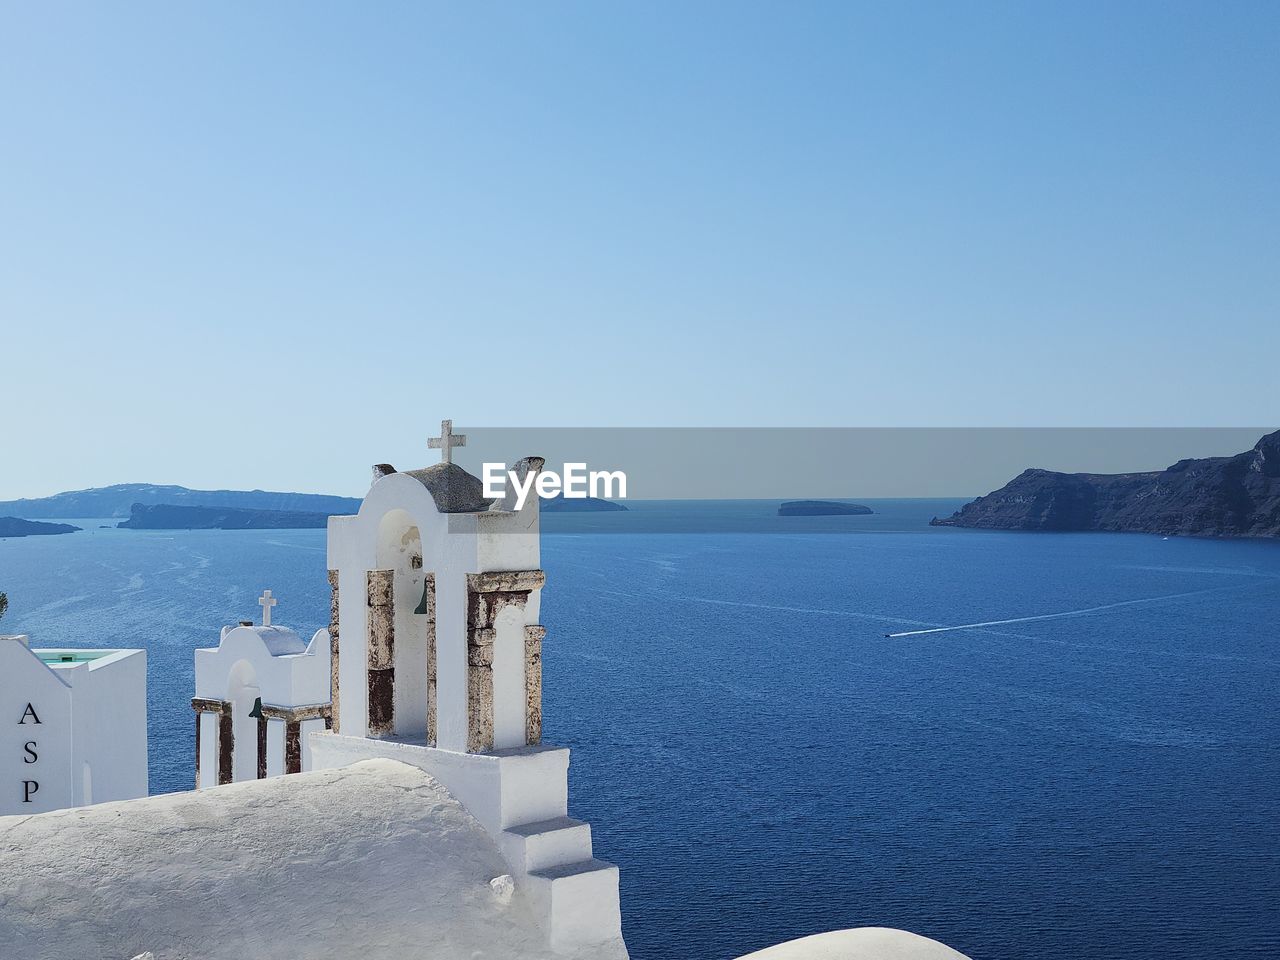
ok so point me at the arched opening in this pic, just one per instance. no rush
(509, 696)
(400, 551)
(243, 692)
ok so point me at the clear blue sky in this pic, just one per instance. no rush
(269, 244)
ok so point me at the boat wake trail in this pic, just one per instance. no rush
(856, 614)
(1068, 613)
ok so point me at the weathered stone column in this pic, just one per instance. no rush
(225, 740)
(262, 748)
(428, 609)
(480, 691)
(533, 636)
(382, 658)
(293, 746)
(487, 595)
(293, 718)
(226, 747)
(333, 646)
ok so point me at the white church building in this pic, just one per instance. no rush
(75, 726)
(259, 694)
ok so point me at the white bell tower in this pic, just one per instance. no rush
(436, 661)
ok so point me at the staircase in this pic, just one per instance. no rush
(521, 797)
(575, 894)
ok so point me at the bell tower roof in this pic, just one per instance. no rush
(453, 489)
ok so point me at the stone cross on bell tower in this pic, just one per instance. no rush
(446, 441)
(266, 602)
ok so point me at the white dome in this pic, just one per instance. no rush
(375, 861)
(865, 943)
(280, 641)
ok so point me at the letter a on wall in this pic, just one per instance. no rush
(29, 712)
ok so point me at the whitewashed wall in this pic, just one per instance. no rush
(90, 745)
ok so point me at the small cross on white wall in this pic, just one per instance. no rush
(446, 441)
(266, 602)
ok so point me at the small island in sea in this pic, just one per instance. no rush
(165, 516)
(118, 501)
(15, 527)
(822, 508)
(1235, 496)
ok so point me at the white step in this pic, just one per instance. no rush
(547, 843)
(578, 903)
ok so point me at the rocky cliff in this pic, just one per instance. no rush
(1216, 497)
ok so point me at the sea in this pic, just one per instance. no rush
(1025, 745)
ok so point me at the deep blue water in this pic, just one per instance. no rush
(763, 762)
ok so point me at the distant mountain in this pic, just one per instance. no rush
(559, 504)
(13, 527)
(166, 516)
(118, 500)
(163, 516)
(1215, 497)
(821, 508)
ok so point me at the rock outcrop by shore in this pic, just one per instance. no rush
(1214, 497)
(15, 527)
